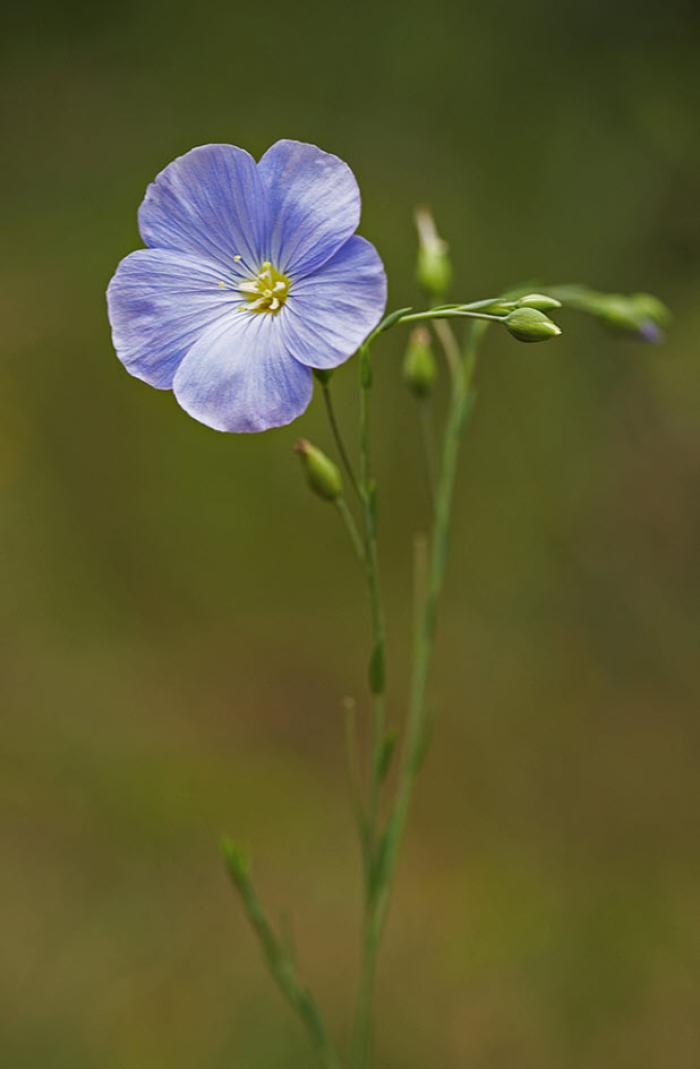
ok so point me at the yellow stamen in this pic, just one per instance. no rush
(267, 291)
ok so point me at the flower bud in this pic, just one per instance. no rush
(650, 307)
(236, 860)
(322, 474)
(419, 367)
(638, 314)
(434, 270)
(540, 301)
(618, 312)
(530, 325)
(652, 316)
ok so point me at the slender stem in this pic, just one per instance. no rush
(387, 852)
(449, 313)
(351, 527)
(475, 306)
(368, 557)
(354, 775)
(372, 562)
(449, 345)
(339, 441)
(427, 432)
(279, 962)
(362, 1033)
(420, 574)
(460, 407)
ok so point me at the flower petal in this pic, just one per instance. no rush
(208, 202)
(313, 203)
(160, 302)
(328, 315)
(241, 377)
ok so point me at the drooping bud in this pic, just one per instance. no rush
(322, 474)
(650, 307)
(652, 316)
(434, 270)
(531, 325)
(639, 314)
(419, 367)
(540, 301)
(618, 312)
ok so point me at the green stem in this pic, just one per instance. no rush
(449, 313)
(387, 851)
(361, 1037)
(427, 432)
(376, 671)
(354, 777)
(449, 345)
(460, 407)
(279, 962)
(351, 527)
(339, 441)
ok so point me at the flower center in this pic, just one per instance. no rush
(267, 291)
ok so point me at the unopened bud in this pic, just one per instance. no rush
(531, 325)
(434, 269)
(618, 312)
(322, 474)
(639, 314)
(419, 367)
(653, 316)
(650, 307)
(540, 301)
(236, 859)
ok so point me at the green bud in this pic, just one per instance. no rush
(323, 475)
(639, 314)
(618, 312)
(419, 367)
(434, 270)
(531, 325)
(236, 859)
(540, 301)
(631, 315)
(650, 307)
(652, 316)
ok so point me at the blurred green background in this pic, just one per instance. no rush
(181, 621)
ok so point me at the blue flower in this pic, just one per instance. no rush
(253, 276)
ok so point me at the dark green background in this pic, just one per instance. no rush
(180, 621)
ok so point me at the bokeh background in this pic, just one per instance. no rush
(180, 621)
